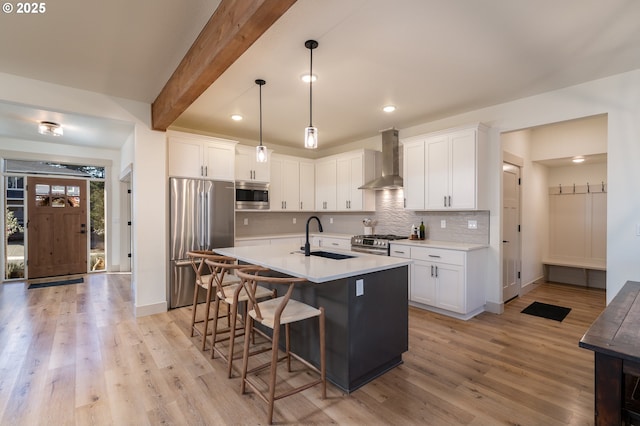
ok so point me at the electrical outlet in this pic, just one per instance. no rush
(246, 220)
(472, 224)
(443, 223)
(359, 287)
(330, 220)
(294, 220)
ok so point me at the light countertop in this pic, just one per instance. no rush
(440, 244)
(288, 259)
(293, 235)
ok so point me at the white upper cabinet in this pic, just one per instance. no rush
(292, 183)
(443, 171)
(285, 183)
(414, 181)
(338, 178)
(307, 185)
(197, 156)
(247, 168)
(326, 184)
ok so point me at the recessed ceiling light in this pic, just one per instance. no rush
(50, 128)
(306, 78)
(578, 159)
(389, 108)
(236, 117)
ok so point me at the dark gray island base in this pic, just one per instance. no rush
(365, 334)
(366, 302)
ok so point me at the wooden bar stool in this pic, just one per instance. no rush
(231, 295)
(273, 313)
(204, 281)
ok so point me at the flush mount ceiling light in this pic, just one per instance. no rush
(261, 150)
(50, 128)
(311, 133)
(578, 159)
(236, 117)
(389, 108)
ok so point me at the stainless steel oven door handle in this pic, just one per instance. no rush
(369, 251)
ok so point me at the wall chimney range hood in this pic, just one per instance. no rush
(390, 178)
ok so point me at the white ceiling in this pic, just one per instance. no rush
(430, 58)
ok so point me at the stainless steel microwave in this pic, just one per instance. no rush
(252, 196)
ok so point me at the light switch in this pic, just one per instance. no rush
(294, 220)
(443, 223)
(246, 220)
(638, 229)
(359, 287)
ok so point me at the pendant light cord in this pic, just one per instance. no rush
(311, 88)
(260, 114)
(260, 82)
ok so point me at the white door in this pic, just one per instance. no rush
(510, 233)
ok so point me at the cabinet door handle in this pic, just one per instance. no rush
(431, 270)
(436, 271)
(300, 205)
(449, 200)
(201, 170)
(445, 201)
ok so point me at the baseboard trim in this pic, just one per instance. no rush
(146, 310)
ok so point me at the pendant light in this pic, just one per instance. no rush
(311, 133)
(261, 150)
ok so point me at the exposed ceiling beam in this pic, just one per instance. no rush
(233, 27)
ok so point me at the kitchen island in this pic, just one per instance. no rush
(366, 305)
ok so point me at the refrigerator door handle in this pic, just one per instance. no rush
(201, 221)
(206, 220)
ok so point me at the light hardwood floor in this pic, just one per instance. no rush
(75, 354)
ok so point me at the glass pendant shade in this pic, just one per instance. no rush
(311, 137)
(261, 154)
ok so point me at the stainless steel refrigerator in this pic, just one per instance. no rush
(202, 218)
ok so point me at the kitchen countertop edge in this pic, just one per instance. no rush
(449, 245)
(288, 260)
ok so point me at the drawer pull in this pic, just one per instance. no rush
(433, 255)
(398, 251)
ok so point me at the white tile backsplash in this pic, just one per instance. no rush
(390, 218)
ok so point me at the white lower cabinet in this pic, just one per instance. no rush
(333, 242)
(451, 281)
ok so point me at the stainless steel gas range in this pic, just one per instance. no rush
(373, 244)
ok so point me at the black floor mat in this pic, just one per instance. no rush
(544, 310)
(54, 283)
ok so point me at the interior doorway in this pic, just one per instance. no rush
(510, 231)
(56, 227)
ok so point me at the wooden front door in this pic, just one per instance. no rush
(57, 227)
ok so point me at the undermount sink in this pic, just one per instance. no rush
(329, 255)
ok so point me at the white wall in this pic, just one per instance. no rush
(616, 96)
(147, 153)
(567, 139)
